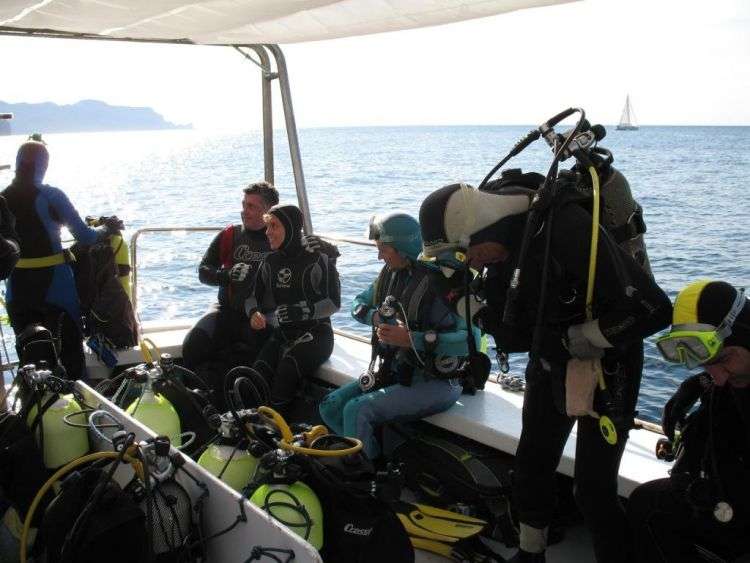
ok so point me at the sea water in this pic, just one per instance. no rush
(691, 182)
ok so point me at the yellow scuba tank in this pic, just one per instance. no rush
(62, 443)
(233, 466)
(122, 260)
(296, 506)
(156, 412)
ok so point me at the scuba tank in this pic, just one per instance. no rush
(282, 495)
(59, 441)
(122, 261)
(153, 409)
(231, 459)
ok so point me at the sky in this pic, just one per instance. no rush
(683, 62)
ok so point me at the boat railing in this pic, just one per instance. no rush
(137, 235)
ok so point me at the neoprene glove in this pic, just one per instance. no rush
(579, 346)
(239, 271)
(313, 243)
(294, 312)
(677, 408)
(222, 276)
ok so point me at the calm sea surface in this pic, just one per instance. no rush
(691, 182)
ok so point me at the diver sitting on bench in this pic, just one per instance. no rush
(415, 360)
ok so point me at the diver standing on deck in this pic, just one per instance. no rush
(296, 292)
(41, 288)
(231, 262)
(627, 307)
(702, 511)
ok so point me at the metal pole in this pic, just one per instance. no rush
(291, 131)
(267, 78)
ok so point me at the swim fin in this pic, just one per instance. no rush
(432, 523)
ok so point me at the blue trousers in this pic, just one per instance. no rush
(350, 412)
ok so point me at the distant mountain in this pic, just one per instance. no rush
(86, 115)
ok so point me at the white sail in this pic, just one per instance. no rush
(627, 119)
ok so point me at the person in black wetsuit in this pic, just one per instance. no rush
(627, 307)
(41, 288)
(702, 511)
(296, 293)
(231, 262)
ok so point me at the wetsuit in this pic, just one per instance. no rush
(46, 294)
(349, 411)
(225, 323)
(628, 306)
(672, 519)
(297, 291)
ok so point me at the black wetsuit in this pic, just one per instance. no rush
(629, 307)
(297, 291)
(48, 294)
(225, 324)
(672, 519)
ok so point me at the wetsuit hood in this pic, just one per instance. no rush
(450, 216)
(292, 219)
(31, 162)
(399, 230)
(708, 302)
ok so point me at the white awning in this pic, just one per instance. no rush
(242, 21)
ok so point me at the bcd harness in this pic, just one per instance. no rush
(416, 298)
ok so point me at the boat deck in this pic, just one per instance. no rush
(491, 417)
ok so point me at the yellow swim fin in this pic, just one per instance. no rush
(432, 523)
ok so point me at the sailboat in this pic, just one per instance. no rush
(627, 119)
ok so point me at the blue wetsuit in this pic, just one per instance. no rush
(42, 295)
(349, 411)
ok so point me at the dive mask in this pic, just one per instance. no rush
(696, 344)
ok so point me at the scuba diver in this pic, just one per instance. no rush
(627, 307)
(41, 288)
(702, 511)
(9, 246)
(296, 292)
(231, 262)
(418, 356)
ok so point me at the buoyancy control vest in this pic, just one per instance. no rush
(417, 296)
(713, 456)
(102, 272)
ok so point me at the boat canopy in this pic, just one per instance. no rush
(239, 22)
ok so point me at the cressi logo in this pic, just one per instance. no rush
(352, 529)
(243, 253)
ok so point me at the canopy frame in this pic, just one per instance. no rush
(265, 53)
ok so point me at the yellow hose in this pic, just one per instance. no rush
(606, 426)
(594, 244)
(56, 477)
(286, 442)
